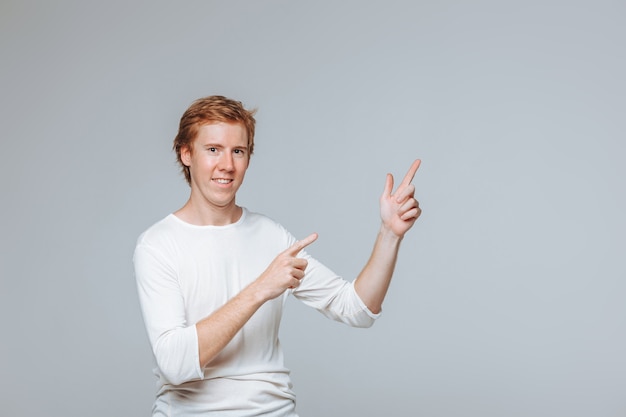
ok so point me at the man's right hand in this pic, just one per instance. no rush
(285, 271)
(216, 330)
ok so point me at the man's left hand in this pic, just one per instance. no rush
(399, 210)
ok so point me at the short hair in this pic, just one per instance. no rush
(209, 110)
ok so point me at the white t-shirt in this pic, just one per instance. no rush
(185, 272)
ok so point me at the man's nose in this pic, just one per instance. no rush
(226, 161)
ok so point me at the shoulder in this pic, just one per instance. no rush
(261, 225)
(253, 217)
(258, 219)
(158, 232)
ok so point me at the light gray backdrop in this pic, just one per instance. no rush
(509, 294)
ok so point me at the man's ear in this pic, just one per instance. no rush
(185, 155)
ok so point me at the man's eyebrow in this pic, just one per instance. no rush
(217, 145)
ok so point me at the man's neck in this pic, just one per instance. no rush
(205, 215)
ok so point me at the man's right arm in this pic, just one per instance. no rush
(219, 328)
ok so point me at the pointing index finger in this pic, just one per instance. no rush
(411, 173)
(301, 244)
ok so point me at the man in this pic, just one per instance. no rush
(213, 277)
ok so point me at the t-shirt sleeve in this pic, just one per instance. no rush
(332, 295)
(174, 342)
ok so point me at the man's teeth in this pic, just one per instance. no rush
(222, 181)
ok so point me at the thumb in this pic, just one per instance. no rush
(388, 186)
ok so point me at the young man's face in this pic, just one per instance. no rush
(217, 163)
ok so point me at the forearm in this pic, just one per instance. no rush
(373, 282)
(219, 328)
(215, 331)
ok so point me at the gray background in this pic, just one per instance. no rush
(509, 293)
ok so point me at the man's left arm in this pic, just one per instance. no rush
(398, 211)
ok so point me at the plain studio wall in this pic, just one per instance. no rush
(508, 298)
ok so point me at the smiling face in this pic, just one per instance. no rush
(217, 161)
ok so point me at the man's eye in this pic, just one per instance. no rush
(212, 149)
(239, 152)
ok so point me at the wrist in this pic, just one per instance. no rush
(387, 233)
(253, 294)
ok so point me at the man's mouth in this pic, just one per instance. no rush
(222, 180)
